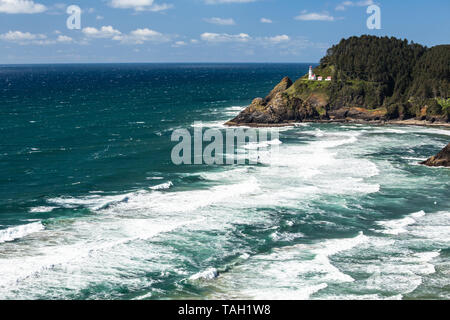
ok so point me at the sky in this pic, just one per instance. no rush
(36, 31)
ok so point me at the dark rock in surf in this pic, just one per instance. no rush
(442, 159)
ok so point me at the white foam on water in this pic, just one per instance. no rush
(398, 226)
(391, 130)
(93, 202)
(402, 273)
(393, 266)
(316, 133)
(185, 201)
(286, 236)
(294, 272)
(208, 274)
(343, 297)
(144, 296)
(421, 130)
(42, 209)
(235, 108)
(210, 124)
(83, 247)
(107, 247)
(433, 228)
(150, 203)
(289, 223)
(162, 186)
(264, 144)
(402, 258)
(227, 174)
(232, 111)
(301, 124)
(302, 293)
(18, 232)
(319, 168)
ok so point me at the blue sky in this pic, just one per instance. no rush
(35, 31)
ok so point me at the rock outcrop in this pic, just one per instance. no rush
(280, 107)
(285, 84)
(442, 159)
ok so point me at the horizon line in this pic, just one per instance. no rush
(106, 63)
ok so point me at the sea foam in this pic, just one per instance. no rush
(17, 232)
(398, 226)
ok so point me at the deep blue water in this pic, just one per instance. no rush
(91, 205)
(67, 124)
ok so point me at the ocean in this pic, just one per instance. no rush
(92, 207)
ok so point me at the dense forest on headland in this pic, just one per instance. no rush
(403, 76)
(372, 79)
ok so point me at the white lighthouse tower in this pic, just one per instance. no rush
(311, 75)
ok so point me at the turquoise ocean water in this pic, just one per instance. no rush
(91, 206)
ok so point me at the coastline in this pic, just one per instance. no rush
(408, 122)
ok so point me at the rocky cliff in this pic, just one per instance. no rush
(280, 107)
(301, 101)
(373, 79)
(442, 159)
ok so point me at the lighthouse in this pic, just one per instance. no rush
(311, 75)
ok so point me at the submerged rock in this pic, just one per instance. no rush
(442, 159)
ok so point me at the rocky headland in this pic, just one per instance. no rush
(373, 80)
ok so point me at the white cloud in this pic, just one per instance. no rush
(343, 6)
(131, 4)
(14, 36)
(227, 1)
(265, 20)
(224, 37)
(26, 38)
(64, 39)
(140, 5)
(179, 44)
(57, 9)
(99, 17)
(313, 16)
(103, 32)
(221, 22)
(139, 36)
(21, 6)
(278, 39)
(160, 7)
(244, 38)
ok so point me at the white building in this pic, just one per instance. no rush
(311, 75)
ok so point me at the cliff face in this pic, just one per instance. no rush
(374, 79)
(302, 101)
(442, 159)
(281, 107)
